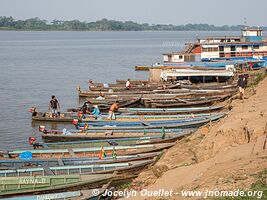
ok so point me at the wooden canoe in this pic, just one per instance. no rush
(50, 162)
(136, 82)
(86, 152)
(47, 116)
(51, 196)
(129, 93)
(130, 136)
(114, 142)
(62, 118)
(184, 103)
(186, 123)
(141, 122)
(134, 167)
(44, 184)
(73, 195)
(170, 111)
(122, 88)
(148, 118)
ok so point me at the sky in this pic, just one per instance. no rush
(177, 12)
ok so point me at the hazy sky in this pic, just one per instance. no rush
(230, 12)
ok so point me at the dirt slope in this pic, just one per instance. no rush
(227, 155)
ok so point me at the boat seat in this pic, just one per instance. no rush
(60, 162)
(72, 154)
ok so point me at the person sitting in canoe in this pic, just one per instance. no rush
(113, 108)
(87, 107)
(54, 106)
(128, 84)
(96, 112)
(101, 96)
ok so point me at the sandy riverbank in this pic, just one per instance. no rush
(231, 154)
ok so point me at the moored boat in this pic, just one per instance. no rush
(85, 152)
(169, 111)
(134, 167)
(129, 136)
(52, 162)
(180, 122)
(44, 184)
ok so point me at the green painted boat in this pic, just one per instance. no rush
(133, 168)
(42, 184)
(160, 138)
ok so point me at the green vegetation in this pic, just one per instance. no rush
(259, 185)
(256, 78)
(9, 23)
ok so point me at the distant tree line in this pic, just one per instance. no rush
(9, 23)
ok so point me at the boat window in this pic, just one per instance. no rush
(244, 47)
(180, 57)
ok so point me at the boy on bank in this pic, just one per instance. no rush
(54, 105)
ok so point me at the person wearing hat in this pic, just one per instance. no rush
(96, 112)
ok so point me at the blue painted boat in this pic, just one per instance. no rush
(51, 162)
(85, 152)
(52, 196)
(153, 124)
(136, 118)
(116, 136)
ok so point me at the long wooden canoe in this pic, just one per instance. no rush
(134, 167)
(51, 196)
(166, 138)
(141, 118)
(141, 123)
(187, 123)
(183, 103)
(42, 184)
(129, 136)
(170, 111)
(87, 152)
(207, 92)
(73, 195)
(51, 162)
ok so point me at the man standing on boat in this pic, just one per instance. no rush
(54, 105)
(242, 85)
(113, 108)
(128, 84)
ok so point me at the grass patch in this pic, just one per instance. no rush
(259, 188)
(258, 77)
